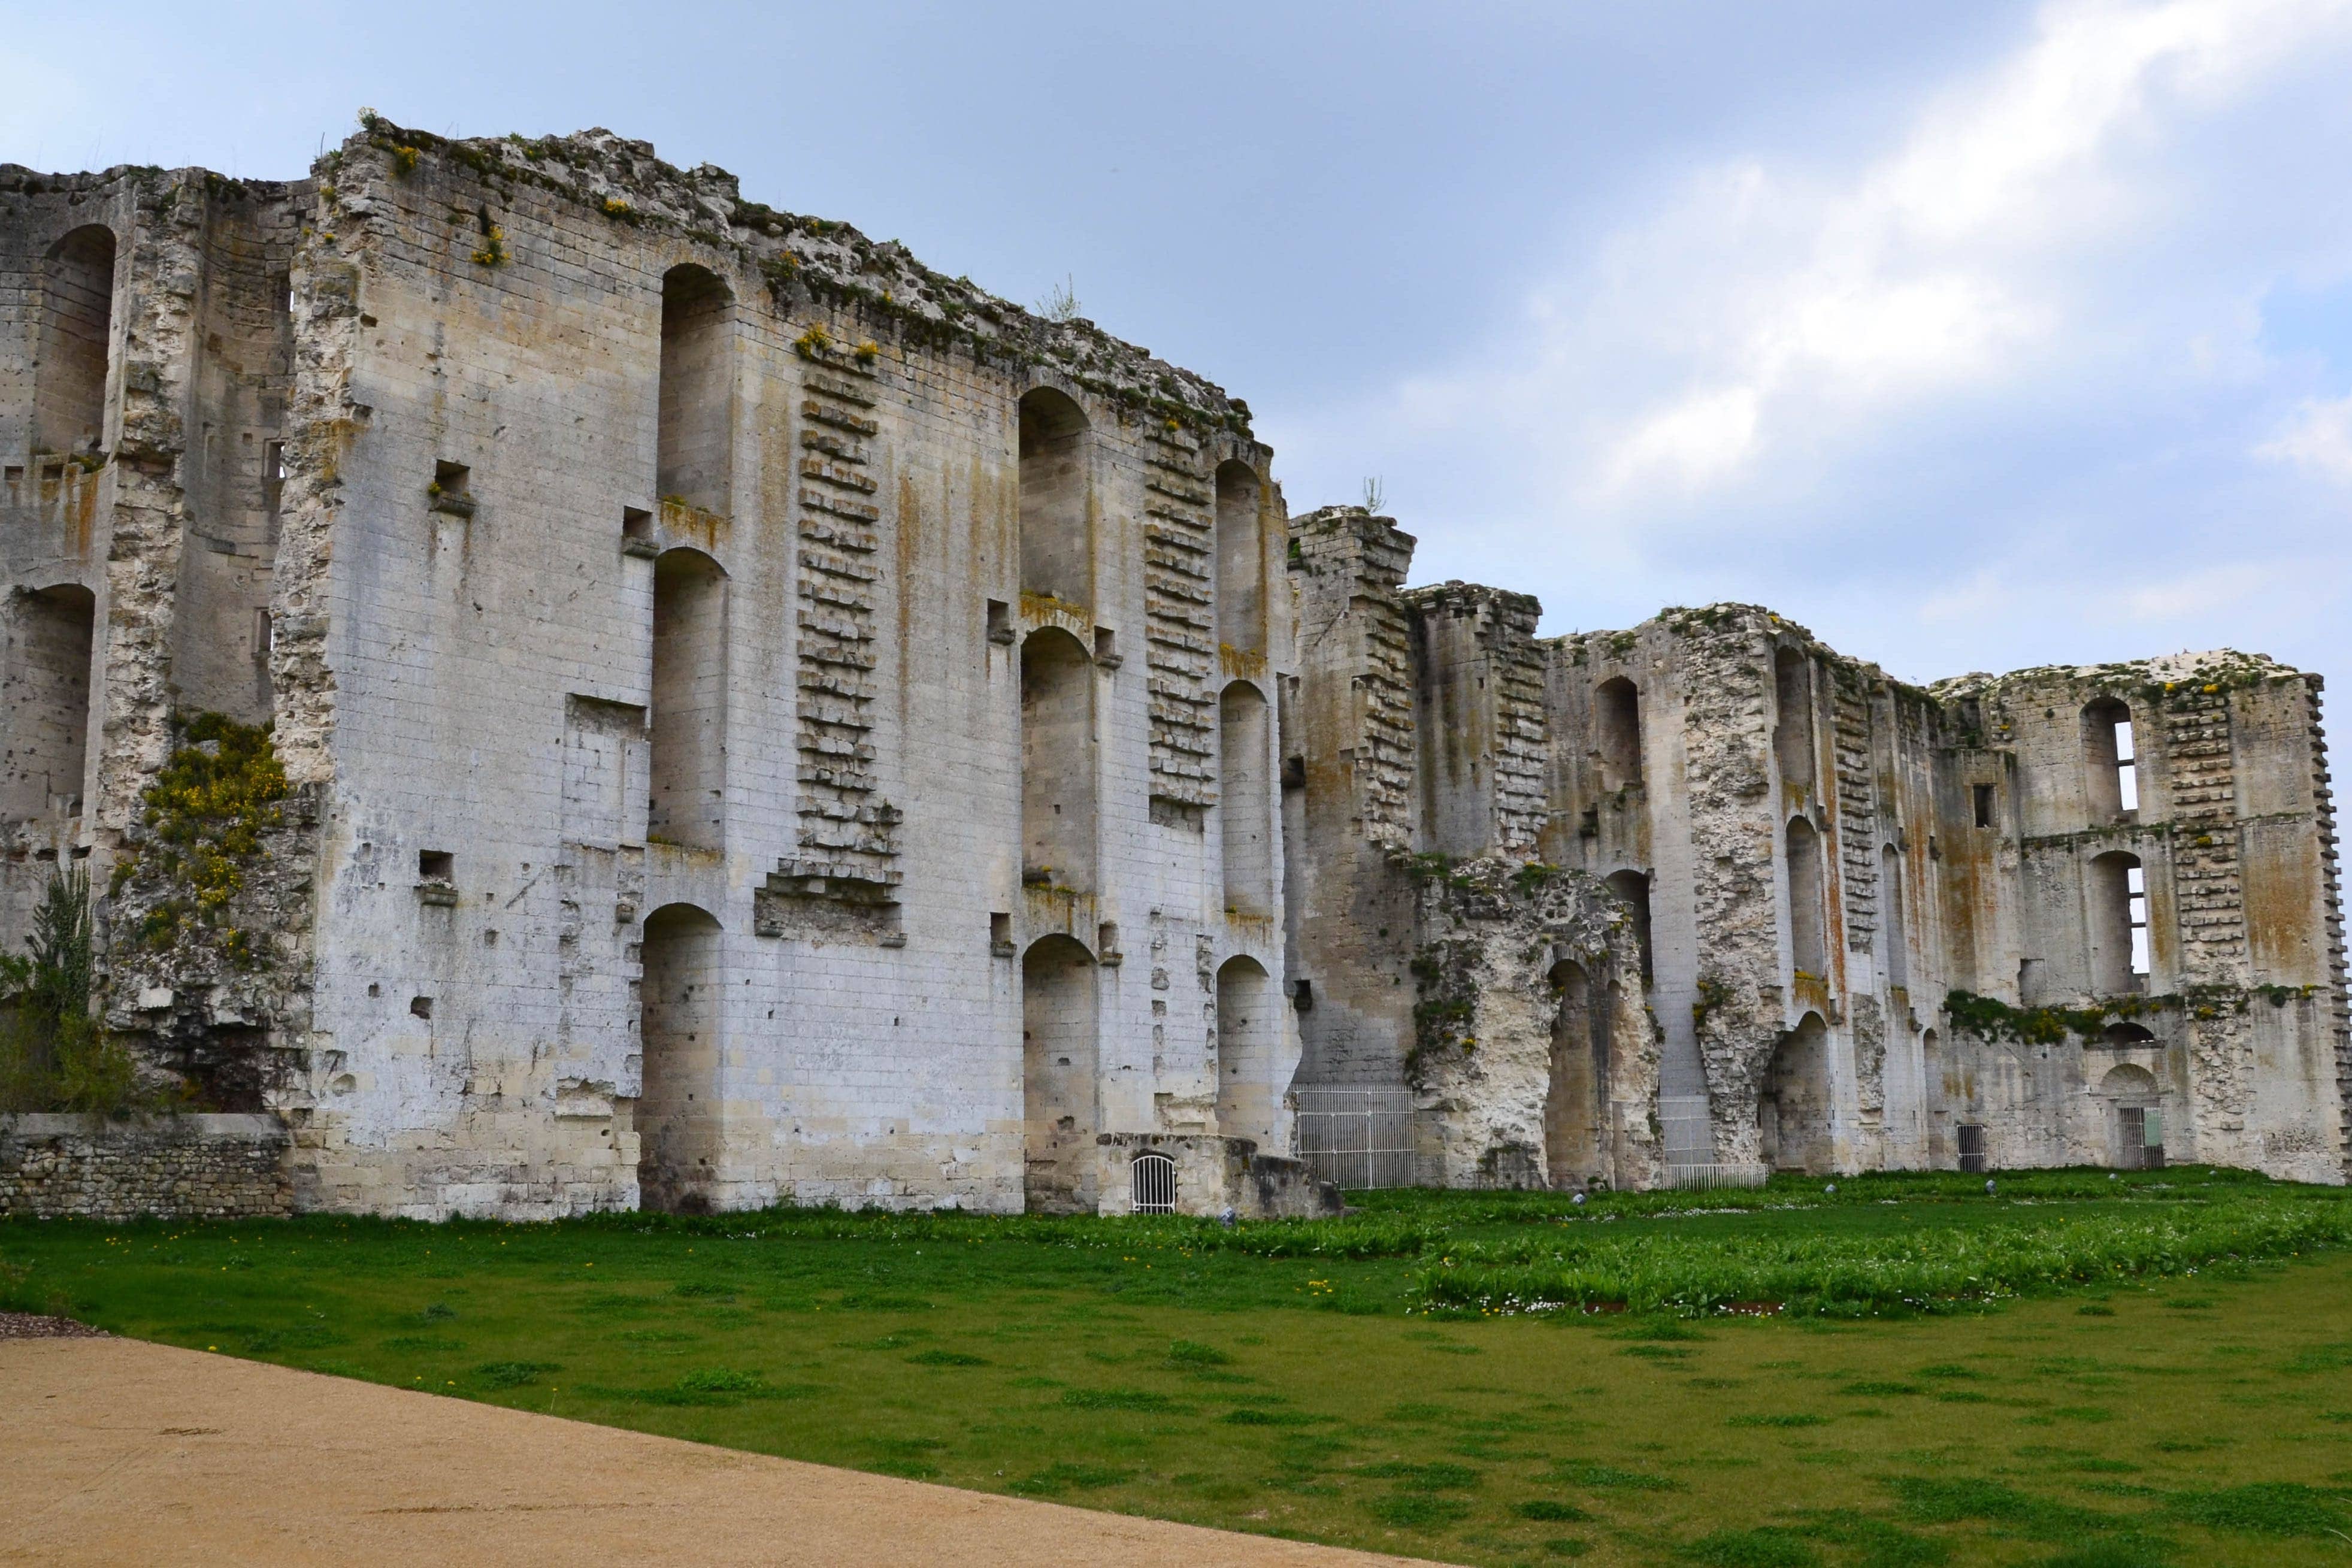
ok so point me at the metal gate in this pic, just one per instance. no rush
(1355, 1136)
(1152, 1184)
(1972, 1146)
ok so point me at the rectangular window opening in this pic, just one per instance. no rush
(2126, 766)
(999, 621)
(436, 866)
(261, 635)
(1983, 797)
(1000, 934)
(1107, 648)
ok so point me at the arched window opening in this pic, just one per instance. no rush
(1240, 561)
(76, 330)
(1792, 1105)
(689, 743)
(1575, 1099)
(1152, 1184)
(1617, 715)
(697, 389)
(2119, 943)
(1246, 809)
(45, 700)
(1792, 720)
(1633, 887)
(1890, 894)
(1057, 761)
(1056, 540)
(2135, 1119)
(1807, 944)
(677, 1109)
(1057, 1076)
(1248, 1027)
(2130, 1036)
(2109, 759)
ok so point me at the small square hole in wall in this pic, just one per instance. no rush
(436, 866)
(1107, 937)
(421, 1006)
(637, 525)
(1107, 648)
(16, 474)
(999, 621)
(452, 489)
(999, 932)
(374, 989)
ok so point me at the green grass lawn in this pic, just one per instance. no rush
(2156, 1369)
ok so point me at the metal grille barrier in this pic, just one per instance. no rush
(1152, 1184)
(1716, 1176)
(1357, 1137)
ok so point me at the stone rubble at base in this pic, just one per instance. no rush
(764, 721)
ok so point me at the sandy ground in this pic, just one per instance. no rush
(118, 1451)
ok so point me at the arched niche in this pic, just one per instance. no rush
(1056, 485)
(74, 338)
(2110, 766)
(1633, 887)
(1793, 1102)
(1807, 912)
(1058, 761)
(44, 699)
(1241, 560)
(1248, 1030)
(1245, 799)
(1890, 897)
(1576, 1095)
(1058, 1054)
(1617, 732)
(1793, 718)
(678, 1115)
(697, 388)
(688, 722)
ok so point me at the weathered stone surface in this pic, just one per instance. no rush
(85, 1167)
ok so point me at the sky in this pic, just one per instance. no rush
(1971, 335)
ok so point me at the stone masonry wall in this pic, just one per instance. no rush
(81, 1167)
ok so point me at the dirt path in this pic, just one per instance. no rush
(117, 1451)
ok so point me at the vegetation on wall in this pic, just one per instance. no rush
(1989, 1018)
(54, 1053)
(206, 816)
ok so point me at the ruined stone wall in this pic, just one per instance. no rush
(195, 1166)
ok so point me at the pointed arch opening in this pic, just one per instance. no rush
(75, 340)
(2135, 1118)
(1057, 535)
(44, 698)
(1241, 560)
(697, 389)
(1792, 1103)
(1057, 1076)
(688, 729)
(1247, 1031)
(1057, 761)
(1793, 718)
(1246, 800)
(677, 1116)
(1576, 1098)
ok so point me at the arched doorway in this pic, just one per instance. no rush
(1792, 1103)
(1056, 533)
(1246, 800)
(45, 700)
(1057, 1076)
(1575, 1099)
(1246, 1031)
(2134, 1115)
(688, 739)
(1241, 560)
(696, 438)
(678, 1113)
(76, 340)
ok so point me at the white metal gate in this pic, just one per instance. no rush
(1357, 1137)
(1151, 1184)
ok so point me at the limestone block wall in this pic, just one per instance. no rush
(195, 1166)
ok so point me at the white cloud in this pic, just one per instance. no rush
(2317, 440)
(1809, 309)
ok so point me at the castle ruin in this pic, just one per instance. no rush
(582, 692)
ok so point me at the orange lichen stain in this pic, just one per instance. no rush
(681, 518)
(1244, 664)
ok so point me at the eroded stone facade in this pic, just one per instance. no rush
(753, 718)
